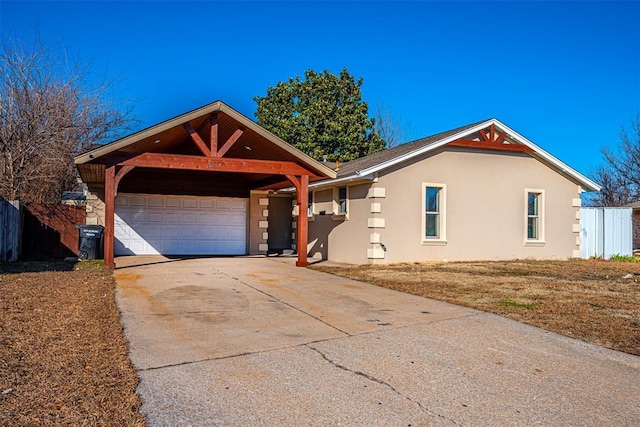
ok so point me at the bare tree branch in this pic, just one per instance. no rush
(50, 109)
(392, 131)
(620, 176)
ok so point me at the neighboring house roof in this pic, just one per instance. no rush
(364, 167)
(634, 205)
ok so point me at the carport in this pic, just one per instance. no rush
(185, 184)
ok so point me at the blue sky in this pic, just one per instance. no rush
(566, 75)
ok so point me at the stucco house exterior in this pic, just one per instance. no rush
(213, 182)
(478, 192)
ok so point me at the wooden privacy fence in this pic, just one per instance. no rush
(49, 231)
(38, 231)
(9, 230)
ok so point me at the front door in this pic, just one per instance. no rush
(280, 221)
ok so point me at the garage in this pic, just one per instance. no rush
(196, 184)
(175, 225)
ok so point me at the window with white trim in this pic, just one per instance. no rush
(310, 204)
(433, 213)
(534, 215)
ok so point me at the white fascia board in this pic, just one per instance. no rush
(583, 180)
(423, 150)
(332, 182)
(348, 178)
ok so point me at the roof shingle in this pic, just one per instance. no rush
(374, 159)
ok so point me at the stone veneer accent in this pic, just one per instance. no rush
(264, 224)
(375, 252)
(577, 228)
(95, 207)
(258, 222)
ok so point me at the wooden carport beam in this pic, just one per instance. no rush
(229, 143)
(195, 137)
(302, 193)
(214, 134)
(212, 150)
(215, 164)
(121, 173)
(294, 173)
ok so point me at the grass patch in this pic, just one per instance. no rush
(586, 299)
(624, 258)
(511, 303)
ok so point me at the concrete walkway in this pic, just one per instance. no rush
(254, 341)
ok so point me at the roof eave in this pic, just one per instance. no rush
(423, 150)
(207, 109)
(330, 173)
(585, 182)
(145, 133)
(319, 185)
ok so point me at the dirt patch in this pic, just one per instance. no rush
(584, 299)
(63, 355)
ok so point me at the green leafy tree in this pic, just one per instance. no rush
(322, 115)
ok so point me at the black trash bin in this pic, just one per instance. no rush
(90, 241)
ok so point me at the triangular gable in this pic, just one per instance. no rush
(490, 134)
(145, 140)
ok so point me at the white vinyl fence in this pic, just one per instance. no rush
(9, 230)
(605, 232)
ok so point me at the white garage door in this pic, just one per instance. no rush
(174, 225)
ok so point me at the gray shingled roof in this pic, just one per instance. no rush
(374, 159)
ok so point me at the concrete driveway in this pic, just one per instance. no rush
(257, 341)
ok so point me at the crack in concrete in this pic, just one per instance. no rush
(307, 344)
(289, 305)
(231, 356)
(381, 382)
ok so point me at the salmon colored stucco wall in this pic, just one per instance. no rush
(485, 211)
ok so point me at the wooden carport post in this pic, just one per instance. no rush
(109, 213)
(111, 181)
(302, 192)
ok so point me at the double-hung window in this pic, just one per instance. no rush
(534, 218)
(433, 213)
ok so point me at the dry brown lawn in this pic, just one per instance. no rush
(63, 355)
(584, 299)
